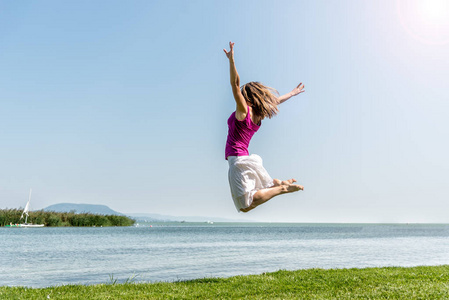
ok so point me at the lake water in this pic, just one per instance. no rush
(39, 257)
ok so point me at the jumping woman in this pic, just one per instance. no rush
(250, 183)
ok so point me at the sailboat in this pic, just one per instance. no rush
(25, 212)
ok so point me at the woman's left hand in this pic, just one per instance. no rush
(230, 54)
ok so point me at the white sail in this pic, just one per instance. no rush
(25, 212)
(27, 207)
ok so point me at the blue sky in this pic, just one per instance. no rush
(125, 104)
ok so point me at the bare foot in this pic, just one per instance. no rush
(277, 182)
(294, 188)
(288, 182)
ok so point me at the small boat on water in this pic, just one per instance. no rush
(25, 212)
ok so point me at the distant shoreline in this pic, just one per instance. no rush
(424, 282)
(63, 219)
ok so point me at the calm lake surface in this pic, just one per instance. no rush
(40, 257)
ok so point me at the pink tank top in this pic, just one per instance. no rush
(239, 135)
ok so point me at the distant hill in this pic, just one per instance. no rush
(82, 208)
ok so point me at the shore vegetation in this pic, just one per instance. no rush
(56, 219)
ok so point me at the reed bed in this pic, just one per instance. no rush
(55, 219)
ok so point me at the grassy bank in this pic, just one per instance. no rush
(57, 219)
(370, 283)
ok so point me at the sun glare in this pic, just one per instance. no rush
(425, 20)
(435, 10)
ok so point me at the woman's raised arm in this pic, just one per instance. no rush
(242, 107)
(297, 90)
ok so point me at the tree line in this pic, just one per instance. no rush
(55, 219)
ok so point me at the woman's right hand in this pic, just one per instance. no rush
(230, 54)
(298, 90)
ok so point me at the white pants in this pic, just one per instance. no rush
(246, 176)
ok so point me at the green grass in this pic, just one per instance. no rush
(370, 283)
(58, 219)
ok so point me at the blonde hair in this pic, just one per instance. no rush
(262, 98)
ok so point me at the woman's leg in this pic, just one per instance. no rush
(262, 196)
